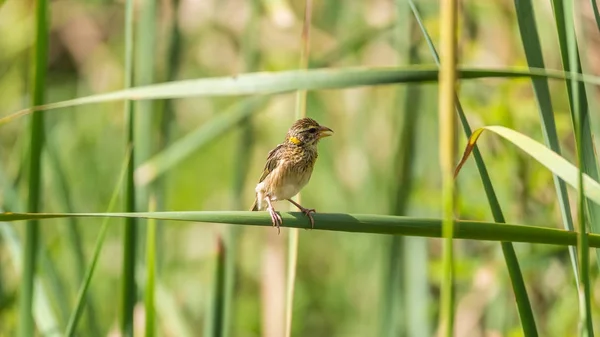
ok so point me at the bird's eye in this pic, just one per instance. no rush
(312, 130)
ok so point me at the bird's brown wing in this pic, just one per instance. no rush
(270, 165)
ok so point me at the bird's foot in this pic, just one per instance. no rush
(307, 212)
(276, 218)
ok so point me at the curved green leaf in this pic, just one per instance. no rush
(552, 161)
(510, 256)
(287, 81)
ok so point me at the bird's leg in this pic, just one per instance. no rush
(306, 211)
(275, 217)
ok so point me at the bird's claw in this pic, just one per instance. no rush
(276, 219)
(307, 212)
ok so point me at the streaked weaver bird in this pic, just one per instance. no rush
(289, 167)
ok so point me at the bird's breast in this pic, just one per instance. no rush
(293, 173)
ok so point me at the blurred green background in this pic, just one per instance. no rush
(346, 284)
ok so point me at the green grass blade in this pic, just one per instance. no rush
(146, 130)
(352, 223)
(149, 299)
(398, 288)
(548, 158)
(215, 323)
(287, 81)
(229, 297)
(128, 286)
(416, 288)
(81, 296)
(74, 237)
(510, 256)
(36, 134)
(596, 13)
(166, 117)
(533, 52)
(82, 293)
(589, 164)
(144, 75)
(585, 309)
(392, 284)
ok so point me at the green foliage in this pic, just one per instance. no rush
(204, 124)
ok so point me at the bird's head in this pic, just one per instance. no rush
(306, 132)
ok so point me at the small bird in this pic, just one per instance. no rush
(289, 167)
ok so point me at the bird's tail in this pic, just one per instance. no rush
(255, 205)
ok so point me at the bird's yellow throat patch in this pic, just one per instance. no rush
(295, 140)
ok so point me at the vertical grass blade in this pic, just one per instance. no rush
(416, 289)
(231, 250)
(596, 13)
(165, 113)
(128, 286)
(396, 305)
(36, 133)
(589, 164)
(292, 255)
(82, 294)
(447, 82)
(533, 53)
(584, 287)
(145, 136)
(144, 75)
(214, 324)
(74, 237)
(514, 270)
(149, 300)
(392, 284)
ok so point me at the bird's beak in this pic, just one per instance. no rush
(325, 132)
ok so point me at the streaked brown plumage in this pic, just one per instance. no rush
(289, 167)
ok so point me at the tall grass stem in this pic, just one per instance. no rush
(128, 286)
(36, 135)
(447, 82)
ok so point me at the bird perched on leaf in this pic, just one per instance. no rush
(289, 167)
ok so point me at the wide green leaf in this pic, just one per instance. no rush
(551, 160)
(287, 81)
